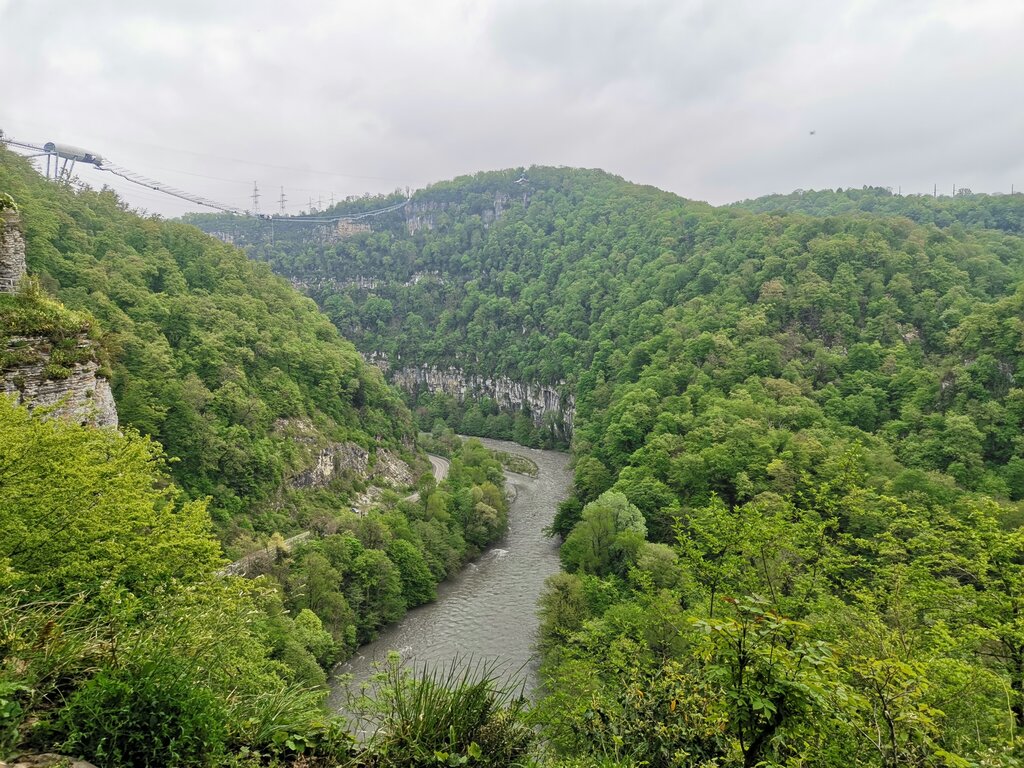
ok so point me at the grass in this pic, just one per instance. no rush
(462, 713)
(25, 314)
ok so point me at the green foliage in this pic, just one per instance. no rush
(117, 640)
(461, 714)
(212, 356)
(87, 511)
(12, 714)
(31, 313)
(1002, 212)
(147, 716)
(601, 542)
(795, 532)
(364, 572)
(814, 421)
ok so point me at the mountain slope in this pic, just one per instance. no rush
(968, 210)
(220, 361)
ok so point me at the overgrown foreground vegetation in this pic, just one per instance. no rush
(795, 535)
(120, 643)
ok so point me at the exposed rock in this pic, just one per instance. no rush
(539, 400)
(378, 359)
(12, 251)
(73, 392)
(390, 468)
(81, 395)
(423, 214)
(330, 462)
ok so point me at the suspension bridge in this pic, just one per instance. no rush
(61, 160)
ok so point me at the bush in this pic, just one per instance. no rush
(153, 715)
(11, 715)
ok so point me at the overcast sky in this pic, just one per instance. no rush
(713, 99)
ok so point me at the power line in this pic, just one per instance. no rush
(144, 181)
(265, 165)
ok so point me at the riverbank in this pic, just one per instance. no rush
(488, 611)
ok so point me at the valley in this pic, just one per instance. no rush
(788, 527)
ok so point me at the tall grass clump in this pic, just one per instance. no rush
(463, 713)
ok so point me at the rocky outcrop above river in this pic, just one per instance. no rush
(539, 400)
(327, 460)
(330, 462)
(80, 394)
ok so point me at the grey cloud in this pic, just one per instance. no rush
(713, 100)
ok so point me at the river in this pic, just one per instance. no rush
(488, 611)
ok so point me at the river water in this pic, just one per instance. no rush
(488, 611)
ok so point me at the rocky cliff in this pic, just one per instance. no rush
(540, 401)
(324, 462)
(330, 461)
(12, 251)
(424, 214)
(77, 393)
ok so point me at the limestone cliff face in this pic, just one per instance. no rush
(539, 400)
(12, 251)
(423, 214)
(75, 392)
(82, 395)
(323, 461)
(330, 461)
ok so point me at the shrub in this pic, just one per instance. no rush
(153, 715)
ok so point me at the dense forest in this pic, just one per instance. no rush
(966, 209)
(795, 536)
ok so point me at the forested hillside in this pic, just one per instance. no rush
(123, 644)
(238, 377)
(971, 211)
(795, 534)
(122, 639)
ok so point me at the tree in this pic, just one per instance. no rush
(84, 510)
(418, 584)
(595, 544)
(771, 676)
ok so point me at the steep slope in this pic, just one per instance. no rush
(50, 357)
(242, 380)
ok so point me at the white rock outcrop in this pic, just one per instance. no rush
(539, 400)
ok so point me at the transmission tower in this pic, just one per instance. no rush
(255, 198)
(282, 199)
